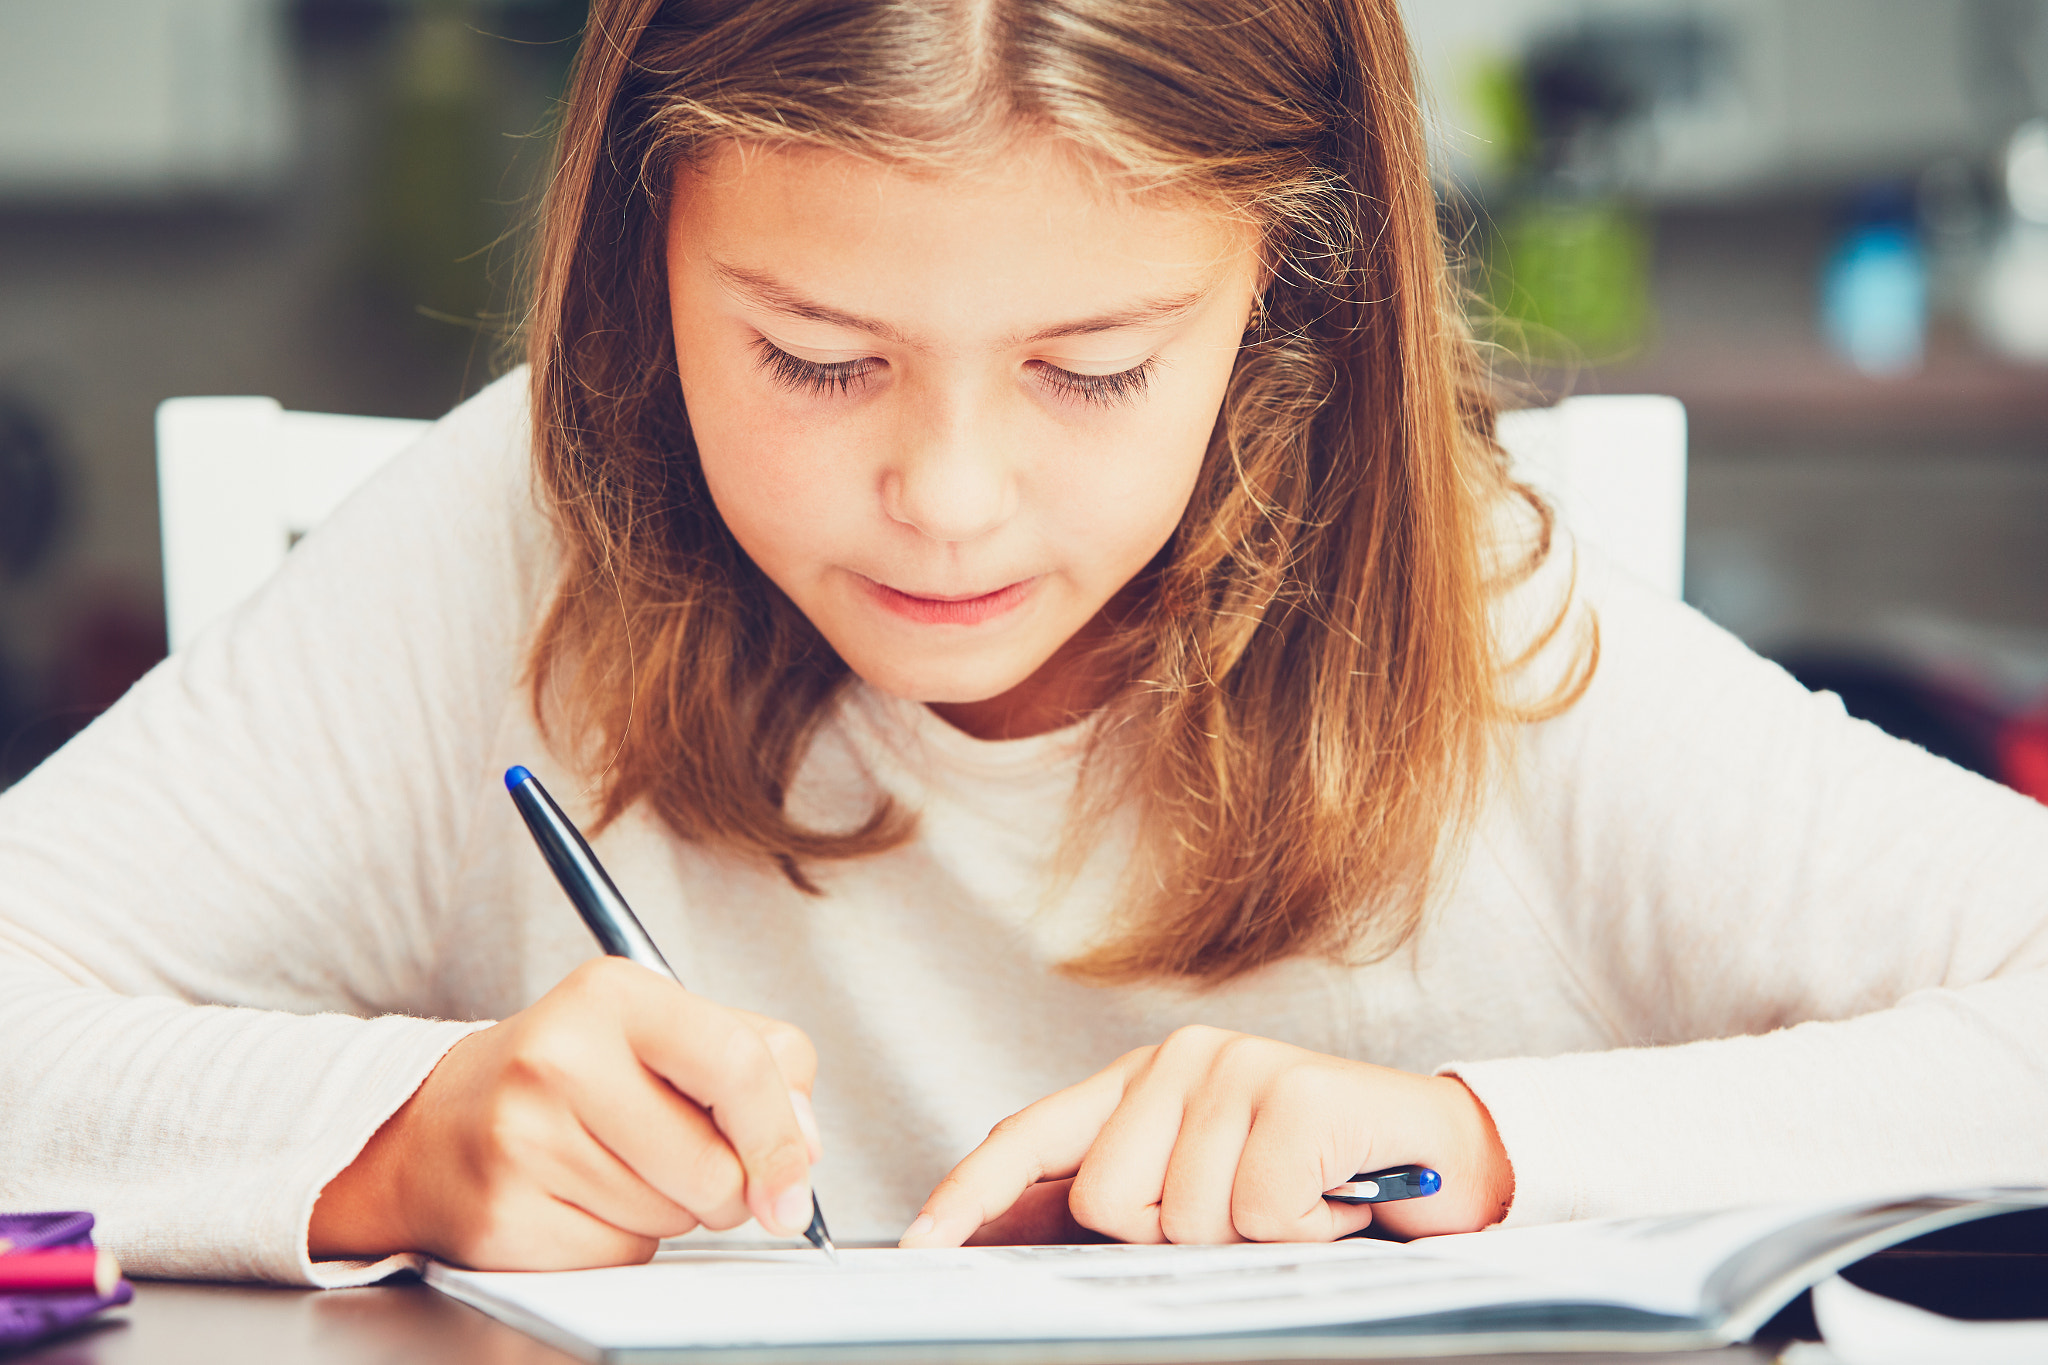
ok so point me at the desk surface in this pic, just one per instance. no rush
(218, 1324)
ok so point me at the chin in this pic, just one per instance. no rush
(952, 682)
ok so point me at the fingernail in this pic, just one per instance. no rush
(806, 1117)
(793, 1209)
(922, 1227)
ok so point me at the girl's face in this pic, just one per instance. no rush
(952, 417)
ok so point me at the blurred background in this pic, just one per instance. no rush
(1823, 224)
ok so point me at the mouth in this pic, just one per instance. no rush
(950, 610)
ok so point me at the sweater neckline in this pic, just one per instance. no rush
(913, 725)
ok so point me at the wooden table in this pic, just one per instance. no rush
(173, 1323)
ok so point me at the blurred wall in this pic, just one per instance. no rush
(320, 202)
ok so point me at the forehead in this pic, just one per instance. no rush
(1023, 237)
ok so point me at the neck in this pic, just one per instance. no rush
(1080, 677)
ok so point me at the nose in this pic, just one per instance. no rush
(950, 478)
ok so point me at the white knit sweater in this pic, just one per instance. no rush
(1713, 942)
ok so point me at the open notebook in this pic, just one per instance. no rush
(1675, 1283)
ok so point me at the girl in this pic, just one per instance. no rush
(1001, 534)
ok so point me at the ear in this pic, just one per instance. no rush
(1262, 280)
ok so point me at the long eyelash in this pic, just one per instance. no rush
(1106, 390)
(808, 376)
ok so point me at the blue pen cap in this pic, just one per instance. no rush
(515, 775)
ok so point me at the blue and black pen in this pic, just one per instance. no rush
(617, 929)
(1384, 1187)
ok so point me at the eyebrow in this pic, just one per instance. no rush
(771, 293)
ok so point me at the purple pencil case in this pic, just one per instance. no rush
(31, 1317)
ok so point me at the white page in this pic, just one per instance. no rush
(713, 1296)
(725, 1298)
(1194, 1290)
(1658, 1263)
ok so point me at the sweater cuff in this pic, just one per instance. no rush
(400, 1069)
(1538, 1147)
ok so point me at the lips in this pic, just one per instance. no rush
(968, 610)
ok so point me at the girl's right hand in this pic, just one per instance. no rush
(619, 1109)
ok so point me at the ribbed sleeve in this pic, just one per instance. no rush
(1820, 953)
(270, 820)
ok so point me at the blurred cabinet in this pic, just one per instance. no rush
(1742, 97)
(142, 99)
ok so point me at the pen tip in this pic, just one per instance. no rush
(514, 776)
(816, 1234)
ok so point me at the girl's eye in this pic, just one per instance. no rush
(810, 376)
(1105, 390)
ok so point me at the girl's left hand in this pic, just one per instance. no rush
(1215, 1136)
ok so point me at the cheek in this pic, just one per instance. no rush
(783, 504)
(787, 520)
(1119, 499)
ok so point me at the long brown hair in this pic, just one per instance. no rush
(1316, 693)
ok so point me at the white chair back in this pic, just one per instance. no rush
(1614, 468)
(241, 479)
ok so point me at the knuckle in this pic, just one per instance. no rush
(1257, 1220)
(725, 1217)
(598, 979)
(1258, 1225)
(792, 1050)
(1137, 1059)
(1197, 1038)
(1238, 1049)
(546, 1060)
(513, 1135)
(738, 1059)
(1245, 1061)
(714, 1180)
(719, 1202)
(781, 1161)
(1095, 1206)
(1187, 1229)
(683, 1222)
(1304, 1088)
(1008, 1129)
(1090, 1204)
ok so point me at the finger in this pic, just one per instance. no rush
(1288, 1161)
(807, 1120)
(716, 1058)
(589, 1241)
(1045, 1141)
(1117, 1189)
(533, 1230)
(591, 1177)
(791, 1047)
(665, 1142)
(1201, 1174)
(797, 1060)
(549, 1130)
